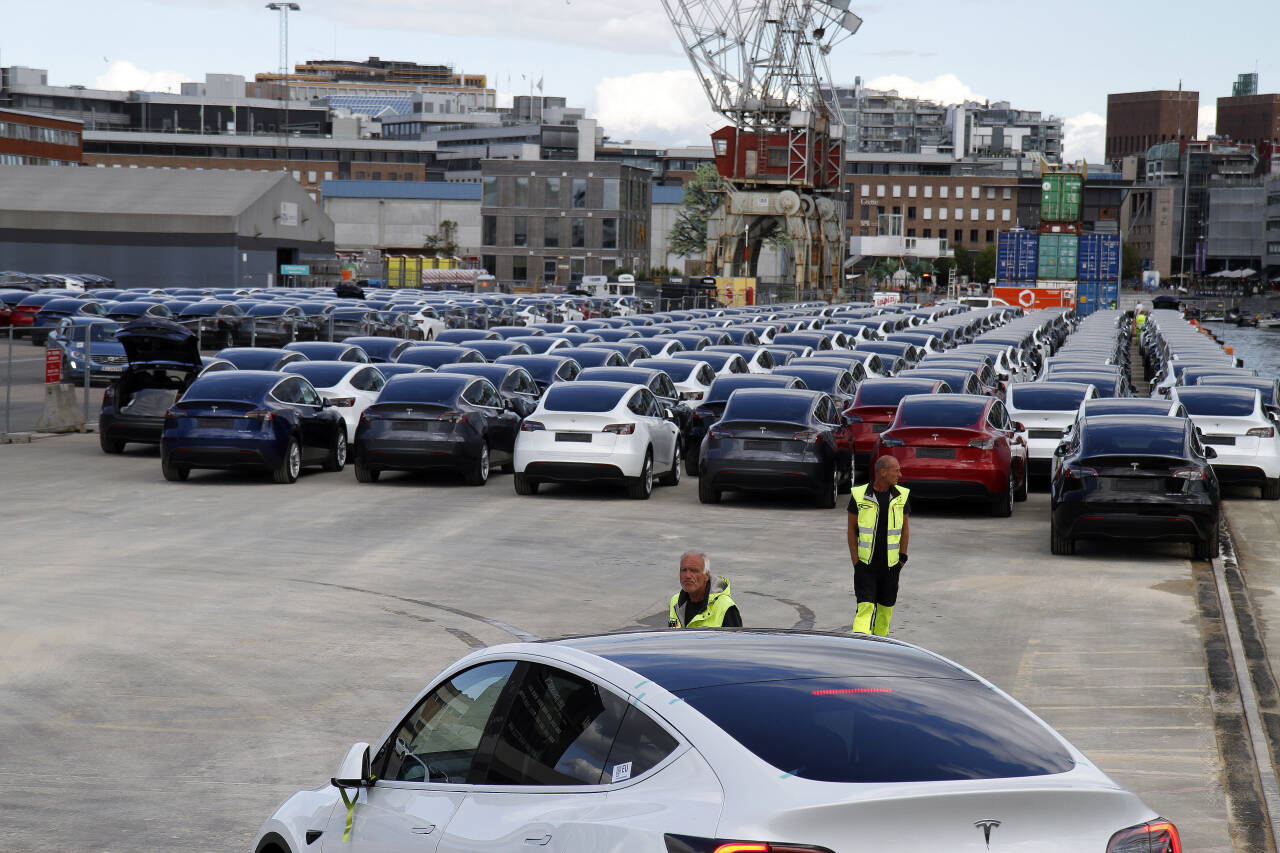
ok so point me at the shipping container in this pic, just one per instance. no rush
(1086, 298)
(1016, 256)
(1060, 197)
(1059, 228)
(1109, 294)
(1058, 256)
(1099, 257)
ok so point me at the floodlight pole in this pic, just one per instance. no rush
(284, 9)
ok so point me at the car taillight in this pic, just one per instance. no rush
(717, 433)
(1079, 472)
(620, 429)
(263, 415)
(983, 443)
(890, 442)
(367, 415)
(1262, 432)
(109, 395)
(1157, 836)
(808, 435)
(1189, 474)
(853, 419)
(344, 402)
(692, 844)
(531, 426)
(454, 417)
(171, 415)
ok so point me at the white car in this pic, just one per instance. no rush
(723, 363)
(693, 378)
(427, 320)
(1234, 422)
(702, 741)
(598, 432)
(758, 358)
(350, 386)
(1046, 409)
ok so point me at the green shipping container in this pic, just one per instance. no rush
(1060, 197)
(1048, 256)
(1058, 256)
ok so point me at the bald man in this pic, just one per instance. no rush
(878, 533)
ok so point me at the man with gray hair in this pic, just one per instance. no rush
(703, 600)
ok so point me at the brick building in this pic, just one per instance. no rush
(1138, 120)
(965, 210)
(27, 139)
(1251, 119)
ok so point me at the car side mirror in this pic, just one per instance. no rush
(354, 771)
(1210, 453)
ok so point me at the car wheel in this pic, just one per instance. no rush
(524, 485)
(691, 463)
(365, 474)
(338, 453)
(174, 473)
(110, 445)
(846, 475)
(478, 474)
(1021, 493)
(1207, 548)
(642, 487)
(1271, 490)
(672, 477)
(707, 494)
(1058, 543)
(1002, 506)
(290, 466)
(825, 496)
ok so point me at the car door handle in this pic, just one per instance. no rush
(424, 830)
(539, 842)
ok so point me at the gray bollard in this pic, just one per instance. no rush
(61, 414)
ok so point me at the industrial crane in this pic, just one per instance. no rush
(763, 64)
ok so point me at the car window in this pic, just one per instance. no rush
(637, 405)
(706, 375)
(308, 394)
(474, 395)
(558, 731)
(490, 395)
(438, 740)
(766, 360)
(376, 380)
(288, 392)
(641, 745)
(666, 388)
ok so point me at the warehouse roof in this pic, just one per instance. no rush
(168, 192)
(442, 190)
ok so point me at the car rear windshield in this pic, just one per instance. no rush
(787, 408)
(1047, 399)
(882, 729)
(678, 370)
(416, 388)
(941, 411)
(323, 375)
(571, 397)
(1229, 405)
(1130, 438)
(230, 385)
(876, 394)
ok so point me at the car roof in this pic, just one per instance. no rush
(682, 660)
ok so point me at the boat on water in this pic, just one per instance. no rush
(1272, 322)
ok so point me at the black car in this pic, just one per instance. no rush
(591, 356)
(517, 388)
(836, 381)
(123, 312)
(546, 370)
(436, 421)
(435, 356)
(1109, 384)
(260, 358)
(163, 361)
(630, 351)
(379, 349)
(466, 336)
(326, 351)
(711, 408)
(274, 323)
(1135, 477)
(773, 440)
(960, 380)
(540, 344)
(218, 324)
(742, 336)
(496, 349)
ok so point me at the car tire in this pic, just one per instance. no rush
(672, 477)
(691, 463)
(846, 475)
(1207, 548)
(110, 445)
(707, 494)
(365, 474)
(1002, 505)
(174, 473)
(1059, 544)
(1271, 490)
(478, 473)
(825, 496)
(524, 485)
(508, 468)
(641, 487)
(1021, 493)
(290, 464)
(337, 459)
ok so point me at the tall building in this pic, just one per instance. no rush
(1138, 120)
(27, 139)
(1251, 119)
(996, 129)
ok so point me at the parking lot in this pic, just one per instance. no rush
(180, 657)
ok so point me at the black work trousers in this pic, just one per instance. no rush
(878, 585)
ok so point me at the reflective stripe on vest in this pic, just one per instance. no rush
(868, 514)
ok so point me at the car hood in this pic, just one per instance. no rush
(152, 340)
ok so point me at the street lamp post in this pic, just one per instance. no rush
(284, 9)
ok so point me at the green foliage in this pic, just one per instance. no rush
(984, 265)
(964, 262)
(942, 268)
(702, 196)
(444, 243)
(1130, 262)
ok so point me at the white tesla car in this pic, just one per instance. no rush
(693, 378)
(428, 321)
(350, 386)
(1046, 409)
(711, 742)
(598, 432)
(1234, 422)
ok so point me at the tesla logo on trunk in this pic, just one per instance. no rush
(1134, 465)
(935, 436)
(213, 408)
(764, 430)
(986, 826)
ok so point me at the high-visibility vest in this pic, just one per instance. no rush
(718, 604)
(1140, 321)
(869, 514)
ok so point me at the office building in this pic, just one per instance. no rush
(27, 139)
(1138, 120)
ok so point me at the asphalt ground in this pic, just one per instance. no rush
(179, 657)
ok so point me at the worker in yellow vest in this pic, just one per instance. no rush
(1140, 319)
(878, 534)
(703, 600)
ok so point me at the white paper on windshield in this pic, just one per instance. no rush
(622, 772)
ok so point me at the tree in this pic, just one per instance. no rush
(984, 265)
(445, 241)
(702, 196)
(964, 262)
(1131, 262)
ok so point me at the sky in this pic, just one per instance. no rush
(621, 60)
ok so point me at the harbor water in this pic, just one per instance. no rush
(1259, 348)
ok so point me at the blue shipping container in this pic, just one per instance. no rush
(1099, 257)
(1109, 292)
(1016, 256)
(1086, 298)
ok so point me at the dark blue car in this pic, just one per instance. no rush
(252, 419)
(88, 341)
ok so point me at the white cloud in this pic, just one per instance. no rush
(944, 89)
(1208, 121)
(621, 26)
(666, 105)
(1084, 138)
(124, 76)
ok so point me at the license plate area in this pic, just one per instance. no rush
(1139, 484)
(579, 437)
(879, 427)
(216, 423)
(1044, 433)
(410, 426)
(935, 453)
(760, 444)
(1227, 440)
